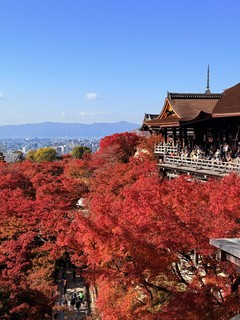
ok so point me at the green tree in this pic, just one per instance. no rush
(31, 155)
(45, 154)
(79, 151)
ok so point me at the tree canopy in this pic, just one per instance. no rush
(79, 151)
(43, 154)
(136, 245)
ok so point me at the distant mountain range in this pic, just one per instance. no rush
(60, 130)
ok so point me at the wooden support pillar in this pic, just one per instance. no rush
(184, 137)
(165, 135)
(181, 137)
(174, 136)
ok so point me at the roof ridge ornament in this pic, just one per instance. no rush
(207, 89)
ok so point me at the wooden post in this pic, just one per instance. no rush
(174, 137)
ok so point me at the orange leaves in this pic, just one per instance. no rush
(134, 239)
(34, 208)
(116, 148)
(127, 142)
(140, 227)
(113, 297)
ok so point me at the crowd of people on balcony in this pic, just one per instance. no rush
(219, 155)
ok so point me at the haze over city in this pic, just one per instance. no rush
(107, 61)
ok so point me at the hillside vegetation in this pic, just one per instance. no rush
(133, 243)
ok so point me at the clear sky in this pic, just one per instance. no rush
(110, 60)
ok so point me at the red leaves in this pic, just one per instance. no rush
(34, 210)
(125, 141)
(140, 234)
(116, 148)
(134, 240)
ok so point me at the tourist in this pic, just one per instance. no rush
(65, 303)
(73, 301)
(78, 304)
(81, 296)
(64, 286)
(74, 295)
(225, 149)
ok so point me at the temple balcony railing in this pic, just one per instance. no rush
(198, 166)
(202, 164)
(163, 149)
(169, 159)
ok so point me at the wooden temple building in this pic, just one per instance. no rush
(197, 118)
(208, 120)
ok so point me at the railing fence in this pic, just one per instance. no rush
(170, 156)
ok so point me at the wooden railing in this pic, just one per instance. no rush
(165, 149)
(202, 164)
(170, 156)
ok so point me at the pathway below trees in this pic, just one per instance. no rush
(75, 284)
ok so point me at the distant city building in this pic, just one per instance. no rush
(63, 146)
(12, 157)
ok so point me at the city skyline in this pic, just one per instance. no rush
(102, 61)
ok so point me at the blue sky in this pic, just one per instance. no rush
(110, 60)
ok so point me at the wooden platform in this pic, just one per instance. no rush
(173, 165)
(230, 247)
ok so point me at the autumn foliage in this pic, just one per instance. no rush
(135, 247)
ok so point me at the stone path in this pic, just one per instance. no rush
(66, 311)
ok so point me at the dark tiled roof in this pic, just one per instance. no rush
(190, 108)
(172, 120)
(186, 107)
(195, 107)
(194, 95)
(229, 104)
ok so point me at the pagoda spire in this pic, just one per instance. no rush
(207, 89)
